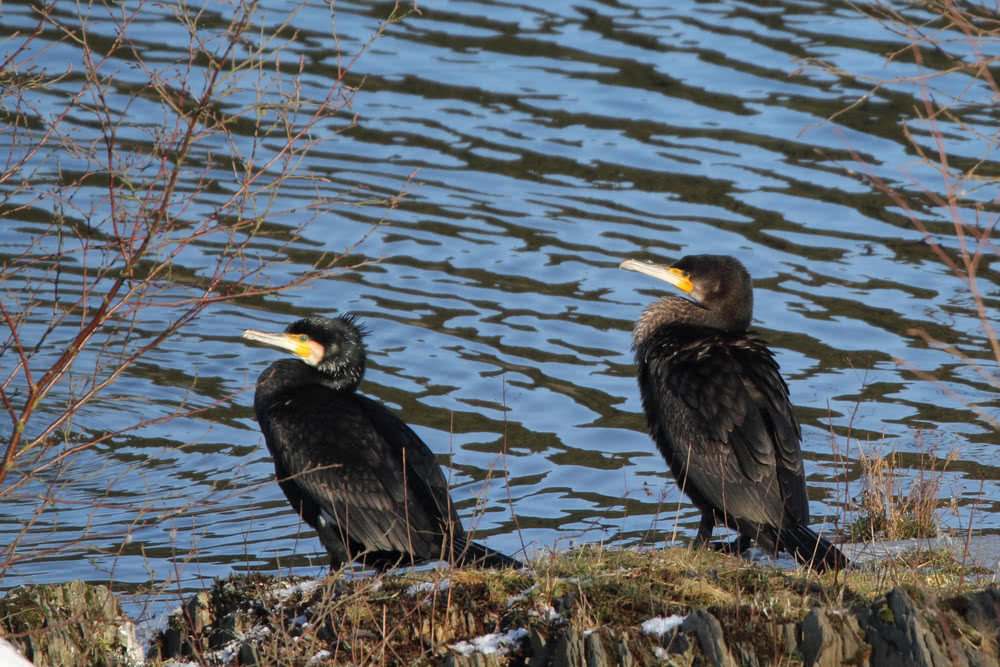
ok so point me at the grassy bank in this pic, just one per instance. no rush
(611, 605)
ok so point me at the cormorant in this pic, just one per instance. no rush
(718, 409)
(351, 468)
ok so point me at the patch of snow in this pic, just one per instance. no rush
(548, 614)
(10, 656)
(134, 652)
(319, 657)
(661, 625)
(782, 561)
(494, 643)
(226, 654)
(284, 590)
(428, 587)
(521, 595)
(661, 653)
(258, 632)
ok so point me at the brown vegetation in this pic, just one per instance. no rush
(894, 506)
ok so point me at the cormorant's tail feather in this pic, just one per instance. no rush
(472, 553)
(812, 549)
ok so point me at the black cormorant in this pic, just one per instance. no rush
(351, 468)
(718, 409)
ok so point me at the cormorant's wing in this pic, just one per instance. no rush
(345, 454)
(763, 378)
(719, 425)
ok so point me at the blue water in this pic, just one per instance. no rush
(537, 149)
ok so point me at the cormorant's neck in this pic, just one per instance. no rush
(678, 311)
(343, 372)
(289, 374)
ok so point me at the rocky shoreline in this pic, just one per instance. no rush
(590, 608)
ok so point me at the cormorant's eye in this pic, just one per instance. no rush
(687, 274)
(303, 338)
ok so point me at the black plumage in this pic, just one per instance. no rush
(718, 409)
(352, 469)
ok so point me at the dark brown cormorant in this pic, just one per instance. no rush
(718, 409)
(350, 467)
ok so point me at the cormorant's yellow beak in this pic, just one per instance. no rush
(301, 345)
(676, 277)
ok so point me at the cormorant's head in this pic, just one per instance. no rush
(717, 283)
(333, 346)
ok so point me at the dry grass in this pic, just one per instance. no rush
(894, 505)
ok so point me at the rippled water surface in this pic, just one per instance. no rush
(549, 144)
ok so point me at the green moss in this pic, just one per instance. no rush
(886, 615)
(942, 563)
(906, 526)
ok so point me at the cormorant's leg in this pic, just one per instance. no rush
(705, 529)
(703, 540)
(736, 547)
(768, 541)
(742, 543)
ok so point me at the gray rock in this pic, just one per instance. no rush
(569, 651)
(623, 656)
(830, 639)
(677, 643)
(914, 629)
(708, 631)
(593, 648)
(788, 637)
(471, 660)
(170, 641)
(186, 628)
(247, 655)
(232, 626)
(746, 656)
(981, 610)
(198, 611)
(538, 647)
(897, 634)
